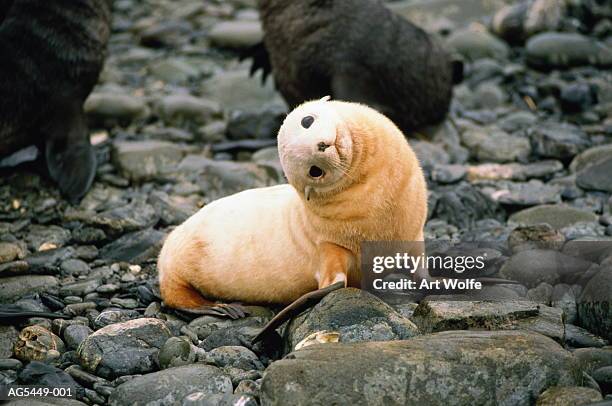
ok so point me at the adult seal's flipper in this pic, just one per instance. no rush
(71, 160)
(304, 302)
(258, 53)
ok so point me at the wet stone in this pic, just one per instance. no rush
(75, 267)
(75, 334)
(235, 356)
(123, 348)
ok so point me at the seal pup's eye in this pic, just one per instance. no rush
(307, 121)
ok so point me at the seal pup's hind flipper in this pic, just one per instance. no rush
(233, 311)
(306, 301)
(70, 158)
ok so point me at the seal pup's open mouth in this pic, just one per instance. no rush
(315, 172)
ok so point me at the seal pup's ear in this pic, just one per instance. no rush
(325, 98)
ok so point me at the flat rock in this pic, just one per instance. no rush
(124, 348)
(144, 160)
(433, 316)
(558, 140)
(122, 107)
(596, 177)
(513, 171)
(496, 145)
(178, 109)
(222, 178)
(237, 90)
(40, 236)
(531, 193)
(557, 216)
(451, 368)
(13, 287)
(171, 385)
(475, 44)
(532, 267)
(568, 395)
(134, 247)
(356, 314)
(591, 156)
(562, 50)
(236, 34)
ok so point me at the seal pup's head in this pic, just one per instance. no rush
(315, 148)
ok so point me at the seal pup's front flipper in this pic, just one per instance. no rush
(70, 158)
(304, 302)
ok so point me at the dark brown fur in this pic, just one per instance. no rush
(357, 50)
(51, 53)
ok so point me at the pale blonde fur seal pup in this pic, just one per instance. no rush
(352, 178)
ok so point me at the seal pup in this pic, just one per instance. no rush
(352, 178)
(359, 51)
(51, 53)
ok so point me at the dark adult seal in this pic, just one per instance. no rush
(359, 51)
(51, 53)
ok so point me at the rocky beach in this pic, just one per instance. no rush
(523, 162)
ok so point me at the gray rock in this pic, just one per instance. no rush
(489, 96)
(557, 216)
(171, 385)
(134, 247)
(173, 210)
(432, 369)
(463, 204)
(236, 357)
(237, 90)
(8, 337)
(590, 157)
(124, 348)
(222, 178)
(568, 395)
(591, 359)
(603, 376)
(513, 171)
(496, 145)
(356, 314)
(113, 316)
(176, 352)
(262, 123)
(429, 154)
(532, 267)
(113, 106)
(563, 50)
(559, 141)
(541, 293)
(13, 287)
(596, 176)
(145, 160)
(529, 193)
(236, 34)
(517, 121)
(448, 173)
(203, 399)
(595, 304)
(75, 267)
(46, 237)
(475, 44)
(564, 298)
(75, 334)
(80, 288)
(434, 315)
(179, 109)
(173, 70)
(578, 337)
